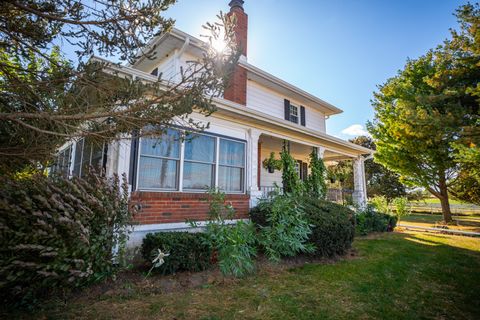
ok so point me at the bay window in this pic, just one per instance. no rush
(199, 162)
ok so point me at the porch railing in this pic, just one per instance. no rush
(335, 195)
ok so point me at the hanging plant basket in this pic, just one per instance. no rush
(271, 164)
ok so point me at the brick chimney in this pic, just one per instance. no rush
(237, 89)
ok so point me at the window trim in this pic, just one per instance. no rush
(181, 160)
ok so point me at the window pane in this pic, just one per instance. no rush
(66, 161)
(197, 175)
(168, 145)
(87, 152)
(157, 173)
(200, 148)
(97, 157)
(232, 153)
(230, 179)
(78, 157)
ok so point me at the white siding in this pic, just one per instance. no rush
(166, 67)
(268, 101)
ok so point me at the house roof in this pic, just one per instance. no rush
(248, 115)
(164, 44)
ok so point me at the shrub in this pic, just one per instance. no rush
(369, 220)
(402, 207)
(187, 251)
(284, 230)
(333, 226)
(59, 233)
(235, 244)
(380, 203)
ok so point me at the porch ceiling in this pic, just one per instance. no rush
(275, 143)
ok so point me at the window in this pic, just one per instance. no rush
(293, 113)
(198, 163)
(88, 154)
(62, 162)
(159, 161)
(231, 168)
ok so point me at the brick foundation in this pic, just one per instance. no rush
(167, 207)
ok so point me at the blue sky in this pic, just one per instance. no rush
(338, 50)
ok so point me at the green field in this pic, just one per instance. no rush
(465, 223)
(392, 276)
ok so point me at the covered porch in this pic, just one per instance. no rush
(269, 181)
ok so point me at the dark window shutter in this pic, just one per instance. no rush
(287, 109)
(304, 170)
(302, 115)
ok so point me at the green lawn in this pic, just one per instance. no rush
(465, 223)
(393, 276)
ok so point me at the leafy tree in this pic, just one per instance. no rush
(424, 112)
(380, 180)
(47, 99)
(315, 185)
(463, 52)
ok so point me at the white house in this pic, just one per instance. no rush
(257, 113)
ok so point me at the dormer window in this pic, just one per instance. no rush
(293, 115)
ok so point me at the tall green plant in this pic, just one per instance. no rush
(380, 203)
(402, 208)
(286, 228)
(290, 179)
(315, 185)
(234, 243)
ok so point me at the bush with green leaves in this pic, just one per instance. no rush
(333, 226)
(235, 244)
(186, 251)
(381, 204)
(402, 207)
(283, 227)
(58, 233)
(370, 220)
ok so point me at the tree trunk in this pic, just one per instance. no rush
(447, 214)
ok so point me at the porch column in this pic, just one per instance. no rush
(359, 181)
(252, 166)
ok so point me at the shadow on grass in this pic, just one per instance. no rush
(395, 276)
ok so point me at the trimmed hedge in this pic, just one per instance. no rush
(333, 226)
(369, 220)
(188, 251)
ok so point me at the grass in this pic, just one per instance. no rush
(393, 276)
(464, 223)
